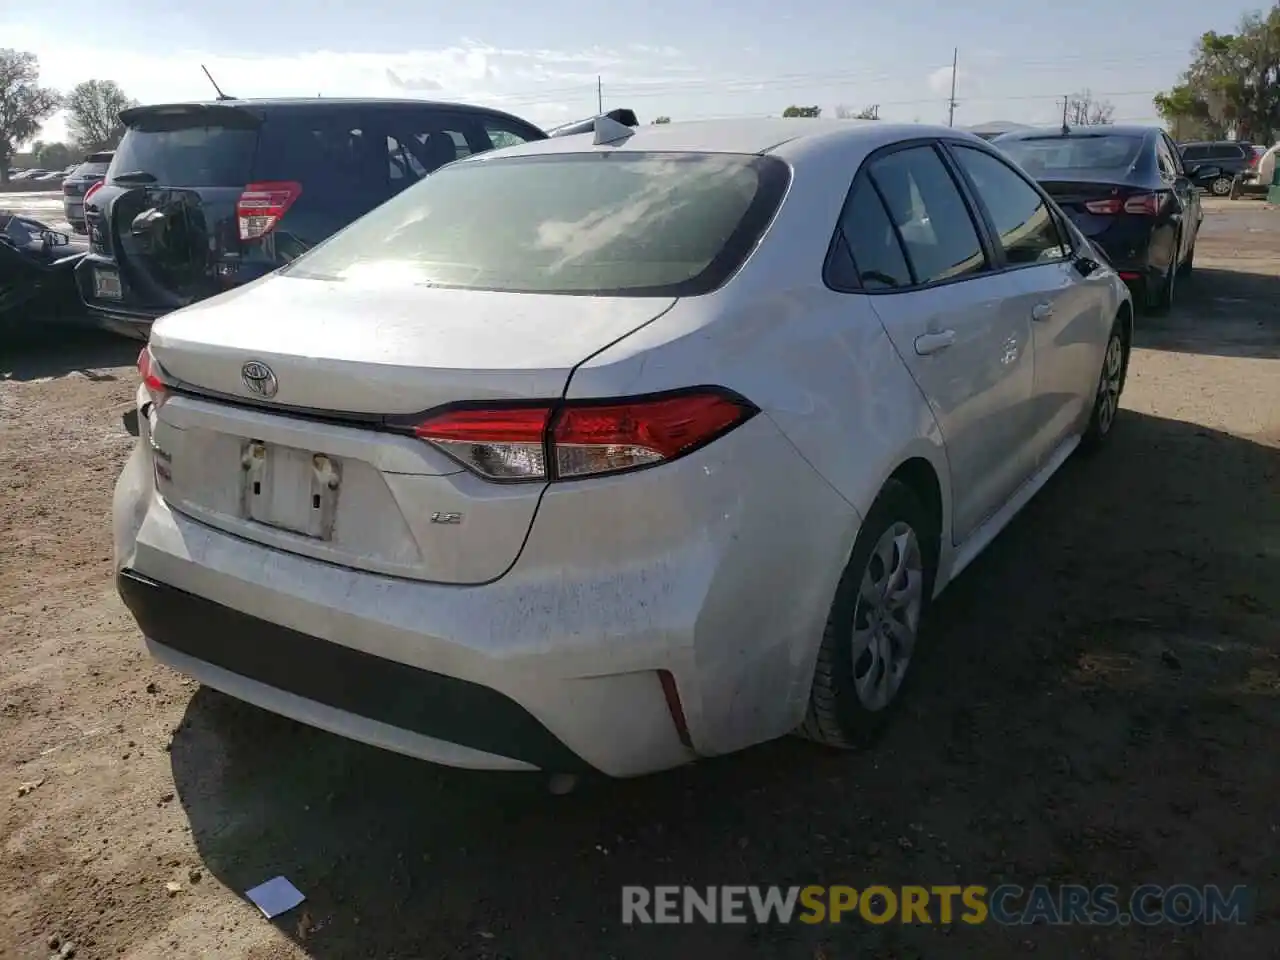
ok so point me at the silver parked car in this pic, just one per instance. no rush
(612, 451)
(77, 184)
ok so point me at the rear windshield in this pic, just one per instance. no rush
(615, 224)
(92, 169)
(188, 156)
(1037, 155)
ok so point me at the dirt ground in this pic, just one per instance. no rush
(1098, 702)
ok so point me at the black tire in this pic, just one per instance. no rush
(1106, 406)
(1220, 186)
(837, 716)
(1162, 298)
(1189, 264)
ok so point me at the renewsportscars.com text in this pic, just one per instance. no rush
(1007, 905)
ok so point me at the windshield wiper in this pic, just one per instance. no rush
(134, 176)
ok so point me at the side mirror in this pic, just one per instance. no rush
(55, 239)
(1086, 266)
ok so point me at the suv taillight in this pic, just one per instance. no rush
(88, 194)
(582, 438)
(261, 206)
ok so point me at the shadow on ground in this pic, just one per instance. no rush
(56, 349)
(1097, 702)
(1228, 313)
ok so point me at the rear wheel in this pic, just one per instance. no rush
(1106, 400)
(870, 637)
(1188, 264)
(1220, 187)
(1162, 299)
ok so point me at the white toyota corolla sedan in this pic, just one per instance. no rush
(613, 451)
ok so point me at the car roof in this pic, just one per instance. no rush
(1216, 143)
(265, 105)
(757, 135)
(1090, 130)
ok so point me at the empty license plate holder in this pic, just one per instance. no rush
(290, 489)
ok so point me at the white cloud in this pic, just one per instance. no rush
(544, 86)
(940, 80)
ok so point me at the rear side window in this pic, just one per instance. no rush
(871, 257)
(1024, 226)
(925, 205)
(191, 154)
(615, 224)
(1192, 154)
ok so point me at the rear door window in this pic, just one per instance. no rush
(1194, 154)
(925, 205)
(328, 153)
(188, 152)
(420, 143)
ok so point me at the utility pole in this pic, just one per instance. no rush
(951, 104)
(1066, 102)
(599, 95)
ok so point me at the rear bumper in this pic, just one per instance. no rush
(283, 669)
(693, 569)
(123, 316)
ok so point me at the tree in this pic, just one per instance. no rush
(1232, 85)
(52, 156)
(844, 112)
(93, 109)
(1187, 114)
(810, 112)
(24, 105)
(661, 120)
(1084, 111)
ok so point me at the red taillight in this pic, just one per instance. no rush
(582, 438)
(261, 206)
(1143, 204)
(1109, 205)
(152, 376)
(88, 194)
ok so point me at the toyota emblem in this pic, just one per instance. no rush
(257, 376)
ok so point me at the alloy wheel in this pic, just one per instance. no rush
(1220, 187)
(886, 617)
(1109, 384)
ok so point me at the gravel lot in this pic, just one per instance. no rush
(1095, 705)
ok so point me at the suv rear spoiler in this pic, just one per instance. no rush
(622, 115)
(170, 116)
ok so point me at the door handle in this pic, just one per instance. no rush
(1042, 311)
(930, 343)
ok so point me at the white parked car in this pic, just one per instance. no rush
(609, 453)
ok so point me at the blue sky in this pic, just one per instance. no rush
(683, 58)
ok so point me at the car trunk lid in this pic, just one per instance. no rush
(318, 462)
(1093, 204)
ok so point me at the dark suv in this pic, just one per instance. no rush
(1212, 165)
(202, 197)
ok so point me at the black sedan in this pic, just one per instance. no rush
(1127, 191)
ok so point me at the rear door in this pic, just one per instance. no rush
(1065, 310)
(949, 314)
(167, 212)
